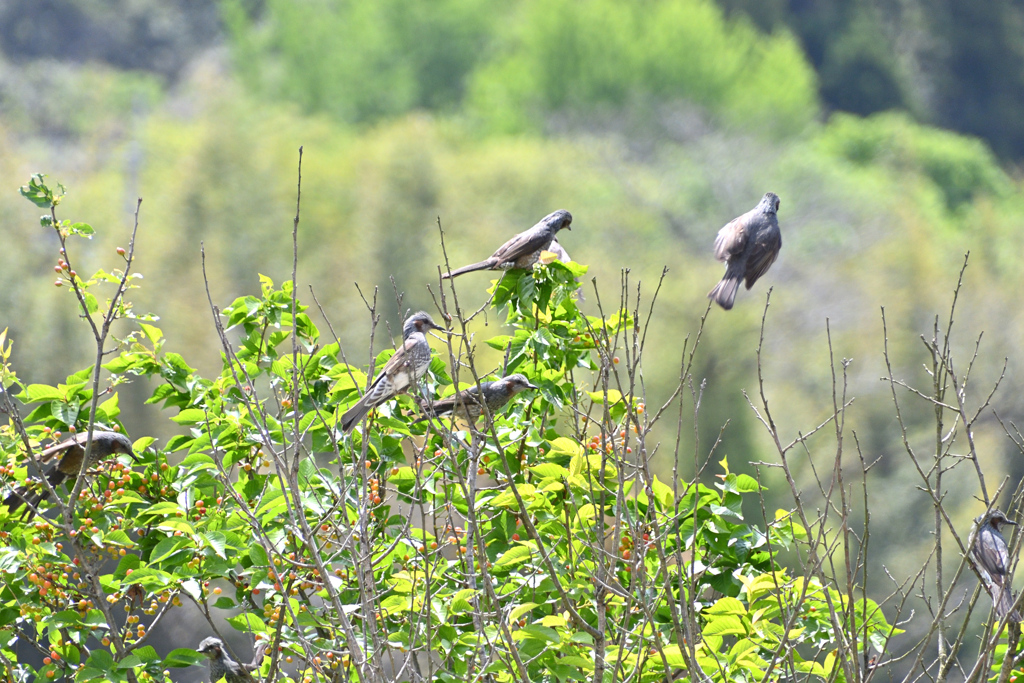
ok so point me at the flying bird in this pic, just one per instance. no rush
(222, 666)
(992, 554)
(467, 404)
(523, 250)
(71, 452)
(402, 370)
(749, 245)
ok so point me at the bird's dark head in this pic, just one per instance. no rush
(769, 203)
(558, 220)
(997, 519)
(110, 443)
(211, 647)
(419, 322)
(516, 383)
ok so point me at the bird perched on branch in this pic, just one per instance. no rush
(523, 250)
(71, 452)
(991, 552)
(749, 245)
(467, 404)
(402, 370)
(222, 666)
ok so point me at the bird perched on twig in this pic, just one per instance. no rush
(992, 554)
(749, 245)
(222, 666)
(523, 250)
(467, 404)
(71, 453)
(402, 370)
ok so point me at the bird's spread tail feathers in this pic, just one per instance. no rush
(724, 292)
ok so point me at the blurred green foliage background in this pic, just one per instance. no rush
(891, 131)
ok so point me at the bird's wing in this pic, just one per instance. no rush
(397, 360)
(465, 397)
(732, 238)
(61, 448)
(763, 255)
(526, 242)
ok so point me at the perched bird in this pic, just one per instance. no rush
(71, 452)
(993, 556)
(409, 363)
(748, 245)
(522, 250)
(467, 404)
(222, 666)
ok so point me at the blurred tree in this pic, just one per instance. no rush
(360, 61)
(980, 70)
(957, 63)
(151, 35)
(599, 54)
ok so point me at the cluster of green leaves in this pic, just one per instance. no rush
(263, 515)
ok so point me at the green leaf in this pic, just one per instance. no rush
(183, 657)
(153, 334)
(519, 611)
(190, 416)
(248, 622)
(513, 556)
(65, 412)
(724, 625)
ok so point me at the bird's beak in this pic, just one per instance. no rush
(131, 454)
(531, 386)
(1009, 522)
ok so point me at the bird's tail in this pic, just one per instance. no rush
(356, 413)
(483, 265)
(724, 292)
(1003, 600)
(30, 497)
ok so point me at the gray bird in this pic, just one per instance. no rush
(467, 405)
(993, 556)
(71, 452)
(749, 245)
(523, 250)
(402, 370)
(222, 666)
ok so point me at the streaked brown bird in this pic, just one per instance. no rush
(523, 250)
(467, 404)
(223, 666)
(71, 453)
(993, 555)
(749, 245)
(403, 369)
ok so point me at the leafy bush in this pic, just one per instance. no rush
(961, 167)
(535, 545)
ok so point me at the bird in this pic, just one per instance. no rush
(71, 452)
(402, 370)
(467, 405)
(523, 250)
(991, 552)
(223, 667)
(749, 245)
